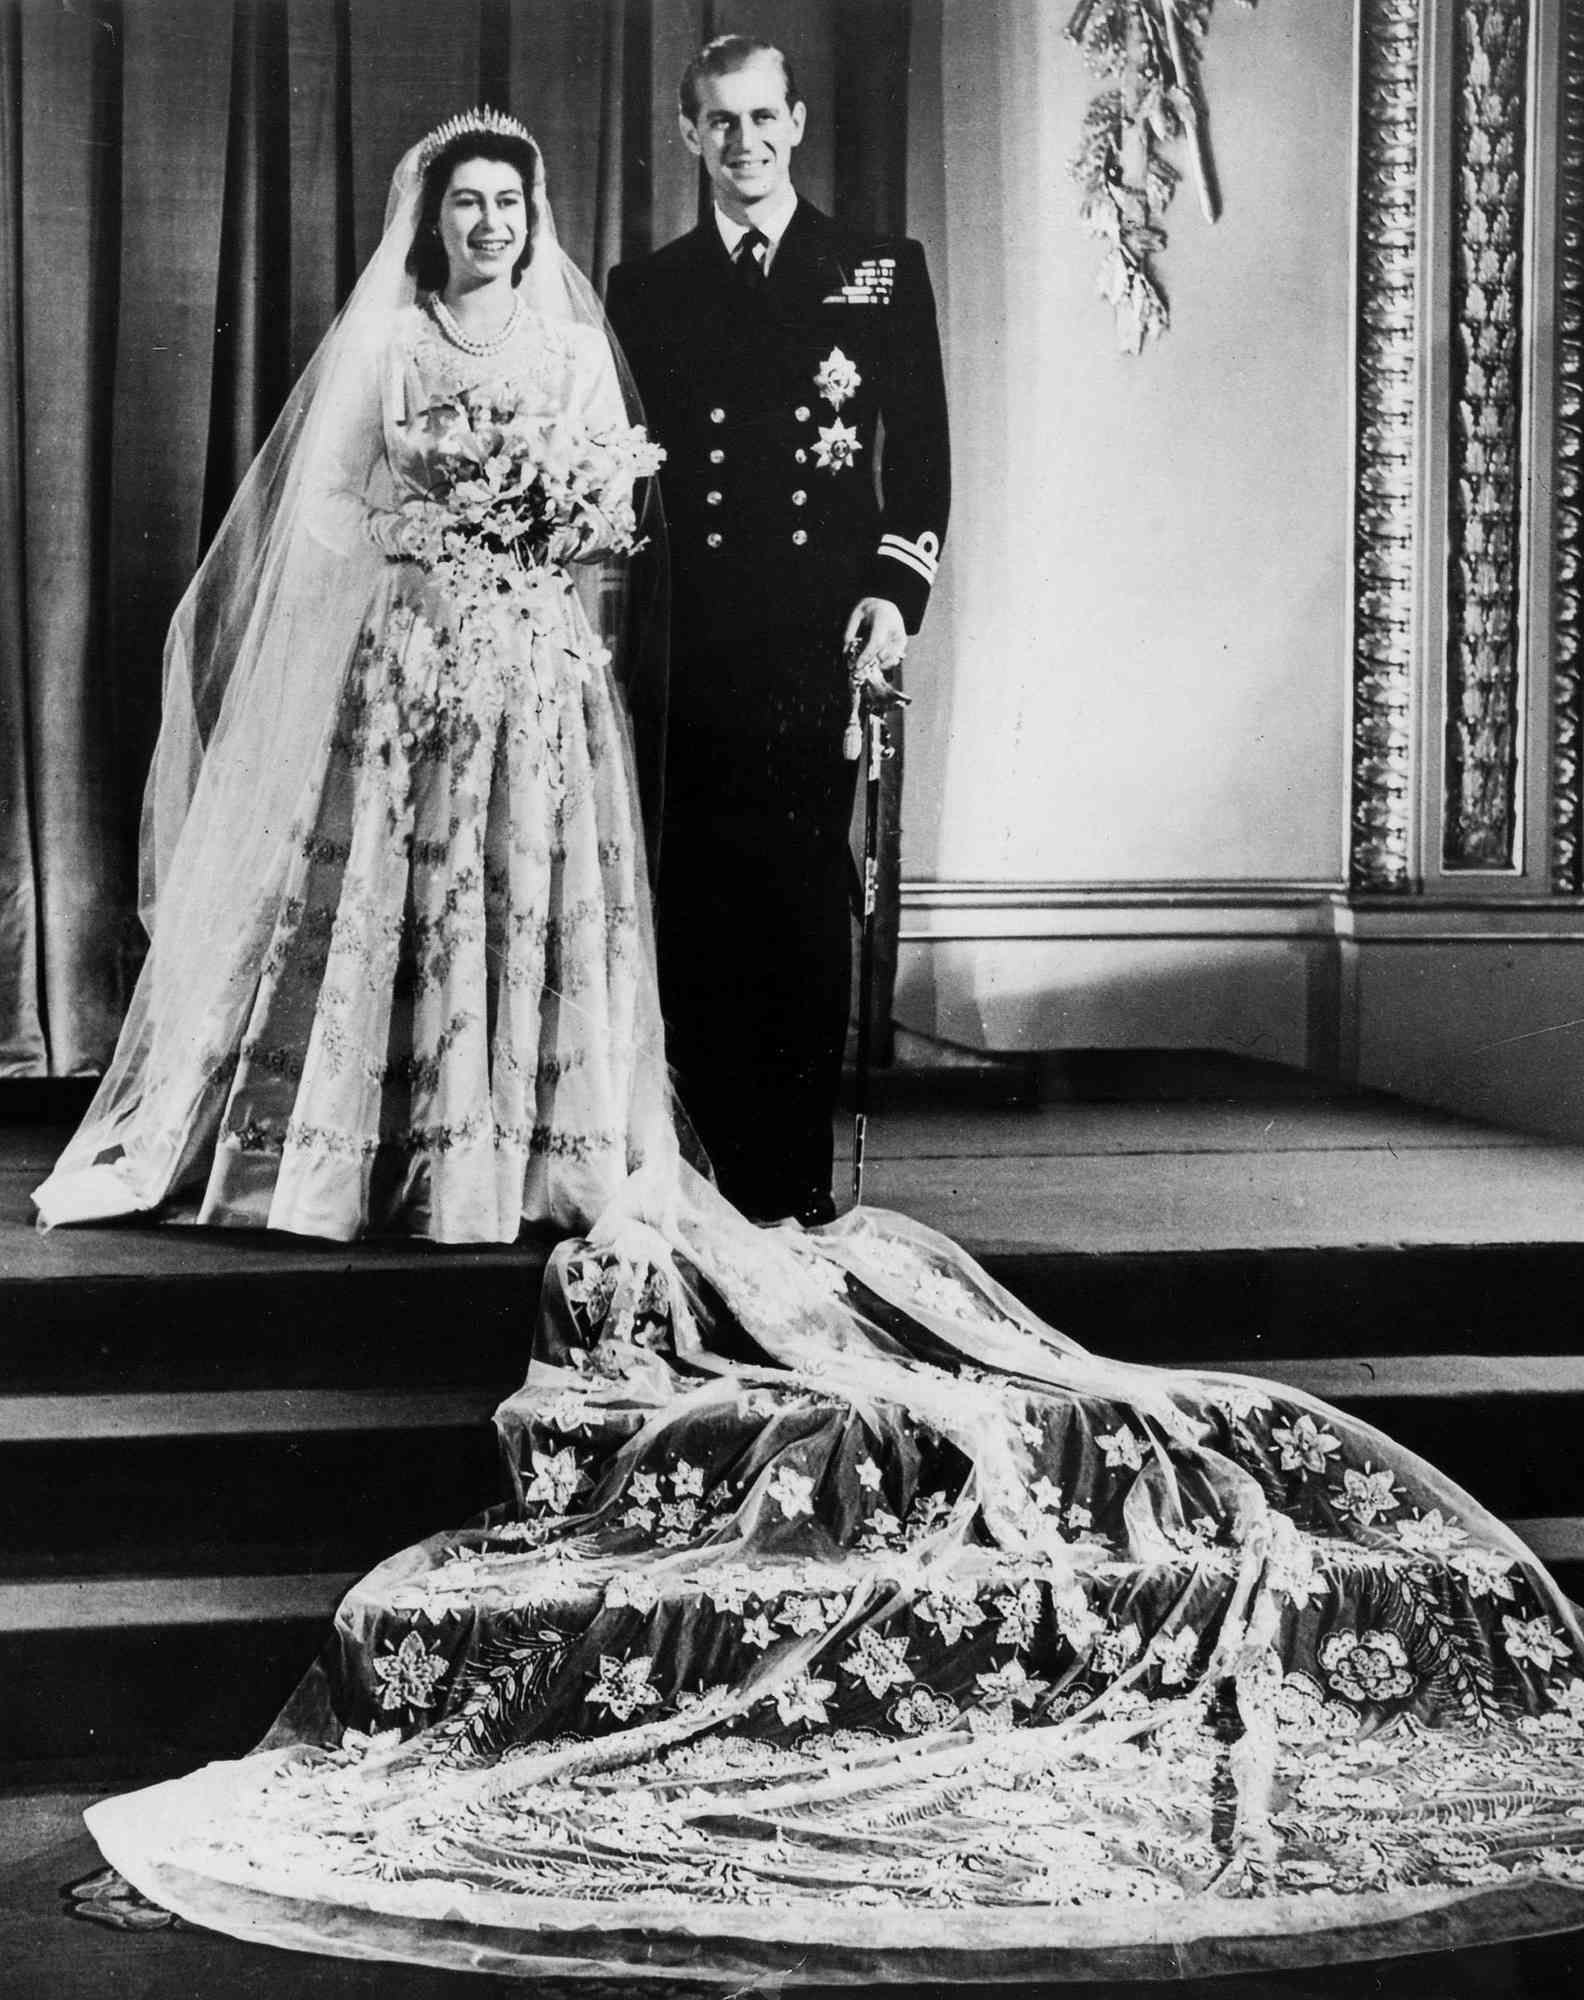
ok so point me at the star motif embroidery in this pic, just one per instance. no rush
(880, 1664)
(1045, 1496)
(1009, 1687)
(1122, 1448)
(836, 378)
(409, 1673)
(624, 1686)
(791, 1491)
(1303, 1446)
(1535, 1640)
(836, 447)
(557, 1479)
(803, 1699)
(952, 1612)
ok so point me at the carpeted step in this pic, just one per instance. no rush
(188, 1310)
(243, 1481)
(249, 1480)
(1252, 1307)
(141, 1676)
(275, 1318)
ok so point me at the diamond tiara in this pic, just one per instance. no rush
(483, 119)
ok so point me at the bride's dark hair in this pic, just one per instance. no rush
(426, 260)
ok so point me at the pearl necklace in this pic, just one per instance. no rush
(446, 321)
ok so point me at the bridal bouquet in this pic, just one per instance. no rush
(510, 501)
(511, 497)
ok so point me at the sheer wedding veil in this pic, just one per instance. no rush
(255, 662)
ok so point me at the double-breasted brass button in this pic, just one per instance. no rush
(713, 497)
(800, 498)
(800, 456)
(802, 413)
(799, 537)
(717, 456)
(718, 415)
(712, 541)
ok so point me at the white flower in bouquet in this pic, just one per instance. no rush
(510, 494)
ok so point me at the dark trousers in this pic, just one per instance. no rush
(754, 938)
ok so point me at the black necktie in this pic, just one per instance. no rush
(750, 251)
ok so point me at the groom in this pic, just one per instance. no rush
(772, 348)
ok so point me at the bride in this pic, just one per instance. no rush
(401, 970)
(845, 1621)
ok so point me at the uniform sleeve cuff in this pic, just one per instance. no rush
(904, 571)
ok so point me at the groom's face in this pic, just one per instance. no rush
(746, 133)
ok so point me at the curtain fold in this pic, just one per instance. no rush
(66, 270)
(187, 190)
(22, 1039)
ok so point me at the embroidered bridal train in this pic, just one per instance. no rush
(847, 1622)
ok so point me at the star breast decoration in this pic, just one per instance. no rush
(837, 446)
(837, 378)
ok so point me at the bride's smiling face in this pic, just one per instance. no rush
(483, 222)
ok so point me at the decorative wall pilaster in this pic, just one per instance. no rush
(1484, 678)
(1386, 483)
(1567, 475)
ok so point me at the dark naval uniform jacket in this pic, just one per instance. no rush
(771, 408)
(804, 423)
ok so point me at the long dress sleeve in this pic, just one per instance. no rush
(355, 504)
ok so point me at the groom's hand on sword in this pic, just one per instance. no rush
(875, 642)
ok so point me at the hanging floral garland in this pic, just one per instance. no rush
(1149, 53)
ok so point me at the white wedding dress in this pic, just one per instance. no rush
(454, 992)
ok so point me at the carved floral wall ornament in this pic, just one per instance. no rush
(1148, 53)
(1567, 480)
(1484, 669)
(1386, 495)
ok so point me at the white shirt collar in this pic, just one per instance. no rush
(770, 219)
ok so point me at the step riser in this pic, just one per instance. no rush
(149, 1701)
(356, 1326)
(1249, 1307)
(348, 1327)
(174, 1504)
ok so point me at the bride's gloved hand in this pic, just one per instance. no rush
(409, 536)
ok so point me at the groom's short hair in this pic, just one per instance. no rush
(719, 58)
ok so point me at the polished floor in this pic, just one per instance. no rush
(47, 1955)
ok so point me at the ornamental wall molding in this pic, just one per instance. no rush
(1567, 475)
(1484, 677)
(1284, 914)
(1386, 490)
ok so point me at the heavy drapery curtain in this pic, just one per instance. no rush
(187, 189)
